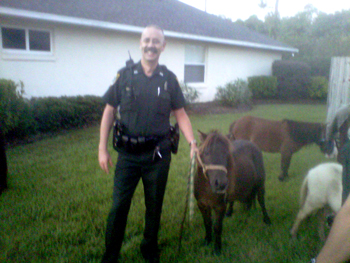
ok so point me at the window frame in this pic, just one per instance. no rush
(27, 51)
(204, 64)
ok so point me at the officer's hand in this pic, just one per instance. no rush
(193, 149)
(105, 160)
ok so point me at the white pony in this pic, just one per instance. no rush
(322, 186)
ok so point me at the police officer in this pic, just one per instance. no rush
(146, 94)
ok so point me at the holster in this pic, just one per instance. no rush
(117, 135)
(174, 137)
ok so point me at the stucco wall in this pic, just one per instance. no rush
(85, 61)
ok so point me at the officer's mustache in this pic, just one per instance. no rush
(152, 49)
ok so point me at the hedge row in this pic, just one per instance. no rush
(23, 117)
(290, 80)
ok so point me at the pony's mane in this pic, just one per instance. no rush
(304, 132)
(213, 137)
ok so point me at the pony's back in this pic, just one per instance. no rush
(322, 186)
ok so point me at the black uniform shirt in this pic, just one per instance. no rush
(145, 106)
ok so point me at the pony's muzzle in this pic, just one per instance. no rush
(218, 182)
(333, 154)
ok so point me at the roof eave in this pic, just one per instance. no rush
(13, 12)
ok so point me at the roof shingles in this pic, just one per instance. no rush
(172, 15)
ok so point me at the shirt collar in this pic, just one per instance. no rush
(138, 69)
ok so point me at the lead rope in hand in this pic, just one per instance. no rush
(189, 200)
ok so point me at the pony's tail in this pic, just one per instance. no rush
(303, 192)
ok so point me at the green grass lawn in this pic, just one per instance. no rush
(56, 207)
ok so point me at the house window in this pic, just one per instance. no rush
(22, 39)
(194, 63)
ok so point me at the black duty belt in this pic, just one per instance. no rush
(141, 144)
(137, 144)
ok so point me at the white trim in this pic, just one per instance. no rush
(133, 29)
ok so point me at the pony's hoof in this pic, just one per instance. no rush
(229, 214)
(217, 251)
(267, 221)
(207, 242)
(282, 178)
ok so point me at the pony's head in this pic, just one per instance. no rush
(214, 158)
(329, 148)
(327, 144)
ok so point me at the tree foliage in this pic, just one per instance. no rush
(317, 35)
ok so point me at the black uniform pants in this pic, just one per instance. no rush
(129, 170)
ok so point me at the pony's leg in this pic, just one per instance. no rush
(229, 211)
(219, 218)
(286, 158)
(261, 200)
(321, 214)
(208, 224)
(305, 211)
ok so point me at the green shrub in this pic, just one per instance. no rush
(263, 87)
(319, 66)
(11, 96)
(56, 113)
(21, 117)
(293, 78)
(233, 93)
(190, 93)
(16, 118)
(318, 88)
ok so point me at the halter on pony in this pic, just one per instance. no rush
(206, 167)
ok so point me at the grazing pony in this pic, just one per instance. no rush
(285, 137)
(322, 186)
(338, 128)
(3, 164)
(225, 175)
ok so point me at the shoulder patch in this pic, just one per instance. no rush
(118, 75)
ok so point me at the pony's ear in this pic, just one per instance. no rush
(202, 136)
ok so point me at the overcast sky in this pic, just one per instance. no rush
(243, 9)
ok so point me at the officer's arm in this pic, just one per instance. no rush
(106, 125)
(337, 246)
(186, 127)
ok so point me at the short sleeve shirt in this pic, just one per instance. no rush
(145, 102)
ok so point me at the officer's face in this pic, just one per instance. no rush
(152, 43)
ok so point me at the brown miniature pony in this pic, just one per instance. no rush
(285, 137)
(225, 174)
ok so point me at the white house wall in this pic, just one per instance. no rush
(85, 61)
(225, 64)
